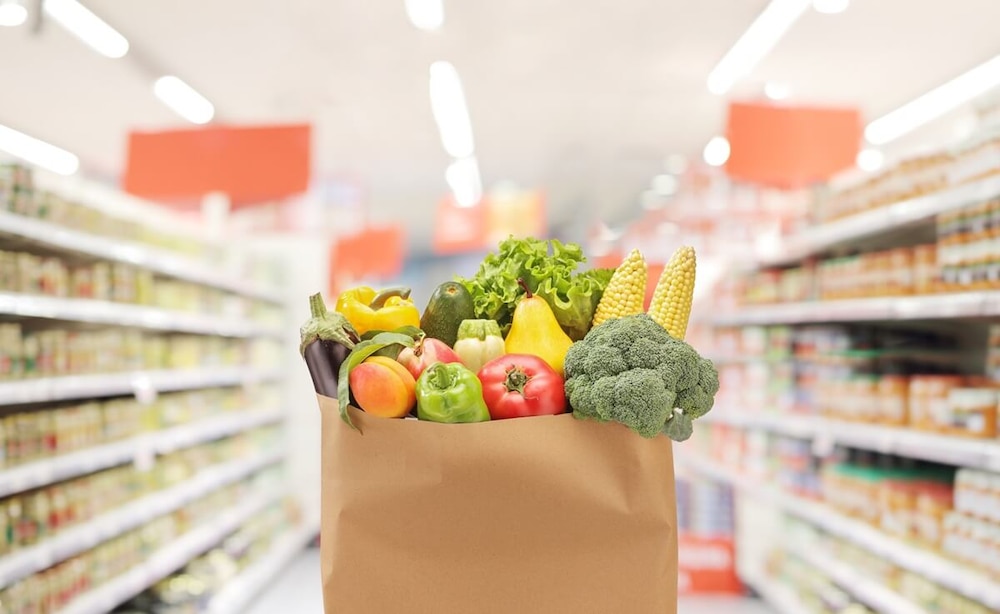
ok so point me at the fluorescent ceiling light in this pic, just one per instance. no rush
(831, 7)
(12, 13)
(184, 100)
(762, 35)
(776, 90)
(87, 26)
(717, 151)
(934, 103)
(450, 111)
(38, 152)
(465, 183)
(665, 185)
(426, 14)
(870, 160)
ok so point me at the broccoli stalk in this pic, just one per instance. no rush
(631, 370)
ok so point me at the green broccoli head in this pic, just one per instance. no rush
(632, 371)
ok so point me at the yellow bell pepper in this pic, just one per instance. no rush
(386, 310)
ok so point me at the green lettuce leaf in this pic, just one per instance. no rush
(549, 269)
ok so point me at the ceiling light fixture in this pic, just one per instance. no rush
(37, 152)
(776, 90)
(870, 160)
(450, 110)
(665, 185)
(934, 103)
(426, 14)
(87, 26)
(12, 13)
(466, 185)
(184, 100)
(717, 151)
(762, 35)
(831, 7)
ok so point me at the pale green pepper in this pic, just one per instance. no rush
(479, 341)
(449, 392)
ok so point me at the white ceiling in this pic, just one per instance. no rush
(583, 99)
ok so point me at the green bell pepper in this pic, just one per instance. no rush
(450, 392)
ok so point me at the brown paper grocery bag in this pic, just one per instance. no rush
(545, 515)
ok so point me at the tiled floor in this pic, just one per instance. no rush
(297, 591)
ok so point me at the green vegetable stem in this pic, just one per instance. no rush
(631, 370)
(450, 392)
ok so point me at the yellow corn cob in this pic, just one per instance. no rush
(671, 304)
(626, 291)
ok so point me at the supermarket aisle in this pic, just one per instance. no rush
(298, 591)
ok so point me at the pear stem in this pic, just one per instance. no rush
(527, 290)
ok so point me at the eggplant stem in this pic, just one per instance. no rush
(317, 306)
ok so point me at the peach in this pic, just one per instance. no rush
(382, 390)
(398, 369)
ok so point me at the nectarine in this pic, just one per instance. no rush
(382, 390)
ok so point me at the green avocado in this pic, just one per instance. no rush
(450, 304)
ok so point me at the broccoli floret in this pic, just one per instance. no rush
(579, 392)
(642, 402)
(647, 353)
(708, 377)
(684, 359)
(603, 392)
(612, 333)
(632, 371)
(573, 363)
(695, 402)
(679, 427)
(603, 361)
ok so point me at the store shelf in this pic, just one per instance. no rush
(116, 250)
(236, 595)
(166, 560)
(959, 578)
(930, 307)
(864, 589)
(824, 237)
(958, 451)
(777, 595)
(124, 314)
(52, 470)
(66, 544)
(44, 389)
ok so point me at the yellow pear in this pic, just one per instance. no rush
(535, 330)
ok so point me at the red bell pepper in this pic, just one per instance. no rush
(520, 385)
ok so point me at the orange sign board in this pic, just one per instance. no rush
(790, 146)
(250, 164)
(521, 214)
(707, 565)
(458, 229)
(375, 252)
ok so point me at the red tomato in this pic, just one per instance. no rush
(519, 385)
